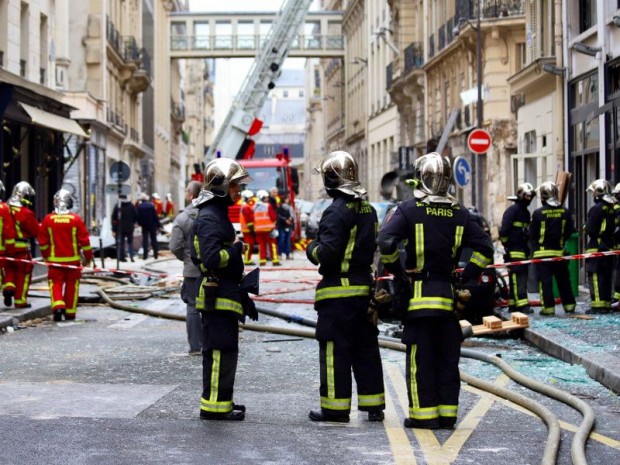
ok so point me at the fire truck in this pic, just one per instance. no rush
(234, 138)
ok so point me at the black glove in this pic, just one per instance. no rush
(249, 308)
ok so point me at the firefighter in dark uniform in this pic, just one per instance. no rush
(600, 228)
(218, 252)
(434, 228)
(551, 226)
(513, 235)
(344, 250)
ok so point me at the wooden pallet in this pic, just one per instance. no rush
(492, 324)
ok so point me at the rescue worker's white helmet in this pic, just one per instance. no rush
(616, 190)
(156, 196)
(219, 173)
(247, 194)
(339, 171)
(261, 194)
(63, 202)
(522, 190)
(23, 194)
(549, 193)
(434, 174)
(601, 189)
(169, 196)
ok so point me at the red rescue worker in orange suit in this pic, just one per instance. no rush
(265, 217)
(7, 232)
(246, 219)
(158, 204)
(19, 273)
(169, 208)
(64, 240)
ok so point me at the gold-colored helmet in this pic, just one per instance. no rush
(549, 194)
(601, 189)
(63, 202)
(434, 174)
(22, 195)
(339, 172)
(524, 189)
(219, 173)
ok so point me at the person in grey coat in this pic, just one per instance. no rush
(179, 246)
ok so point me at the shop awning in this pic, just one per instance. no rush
(50, 120)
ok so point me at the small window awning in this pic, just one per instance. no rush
(52, 121)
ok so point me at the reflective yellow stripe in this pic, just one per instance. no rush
(222, 303)
(458, 239)
(519, 224)
(224, 258)
(344, 282)
(430, 303)
(419, 246)
(413, 381)
(391, 258)
(548, 253)
(329, 366)
(541, 240)
(448, 410)
(340, 292)
(224, 406)
(371, 400)
(348, 252)
(336, 404)
(215, 375)
(516, 254)
(478, 259)
(427, 413)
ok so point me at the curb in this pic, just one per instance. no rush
(15, 315)
(600, 366)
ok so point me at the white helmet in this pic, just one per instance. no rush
(219, 173)
(522, 190)
(23, 194)
(261, 194)
(63, 202)
(339, 172)
(156, 196)
(601, 189)
(549, 193)
(247, 194)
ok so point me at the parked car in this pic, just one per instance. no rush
(312, 228)
(304, 207)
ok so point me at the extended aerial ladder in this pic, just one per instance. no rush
(232, 139)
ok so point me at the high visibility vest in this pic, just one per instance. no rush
(262, 219)
(246, 217)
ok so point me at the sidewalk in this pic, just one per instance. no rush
(594, 343)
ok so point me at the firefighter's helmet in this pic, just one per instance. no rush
(219, 173)
(262, 194)
(616, 190)
(601, 189)
(2, 191)
(339, 172)
(433, 173)
(22, 195)
(523, 190)
(247, 194)
(549, 193)
(63, 202)
(156, 196)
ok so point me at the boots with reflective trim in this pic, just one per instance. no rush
(320, 415)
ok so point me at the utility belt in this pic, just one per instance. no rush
(429, 276)
(207, 294)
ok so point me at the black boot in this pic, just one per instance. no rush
(421, 424)
(375, 415)
(320, 415)
(235, 415)
(58, 314)
(8, 297)
(239, 407)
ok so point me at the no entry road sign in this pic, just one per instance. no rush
(479, 141)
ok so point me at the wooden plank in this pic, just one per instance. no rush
(491, 322)
(520, 318)
(480, 330)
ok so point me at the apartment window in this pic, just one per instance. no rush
(587, 14)
(24, 36)
(285, 93)
(521, 55)
(301, 93)
(529, 142)
(43, 49)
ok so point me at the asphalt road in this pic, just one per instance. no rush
(119, 388)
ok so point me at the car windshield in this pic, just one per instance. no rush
(265, 178)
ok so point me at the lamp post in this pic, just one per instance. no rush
(479, 108)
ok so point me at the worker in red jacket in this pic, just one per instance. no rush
(158, 204)
(7, 233)
(246, 220)
(19, 273)
(65, 244)
(265, 217)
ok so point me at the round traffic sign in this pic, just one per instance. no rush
(119, 171)
(479, 141)
(462, 171)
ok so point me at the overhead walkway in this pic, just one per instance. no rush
(241, 35)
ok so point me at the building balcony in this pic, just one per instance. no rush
(140, 78)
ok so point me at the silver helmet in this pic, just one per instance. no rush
(601, 189)
(433, 174)
(22, 195)
(523, 190)
(63, 202)
(339, 172)
(549, 194)
(616, 190)
(221, 172)
(2, 191)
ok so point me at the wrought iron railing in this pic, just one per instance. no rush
(414, 56)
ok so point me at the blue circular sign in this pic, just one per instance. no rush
(462, 171)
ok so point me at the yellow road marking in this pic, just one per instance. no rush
(402, 452)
